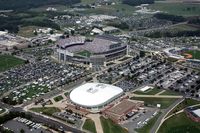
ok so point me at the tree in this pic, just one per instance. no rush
(22, 131)
(35, 33)
(51, 32)
(72, 32)
(142, 53)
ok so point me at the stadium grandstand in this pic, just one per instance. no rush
(101, 49)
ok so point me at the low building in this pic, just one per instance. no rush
(123, 110)
(193, 113)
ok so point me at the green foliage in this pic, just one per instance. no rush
(89, 125)
(58, 98)
(9, 61)
(26, 4)
(169, 17)
(46, 110)
(151, 101)
(179, 123)
(137, 2)
(110, 127)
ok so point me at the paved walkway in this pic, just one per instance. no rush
(155, 96)
(160, 92)
(96, 119)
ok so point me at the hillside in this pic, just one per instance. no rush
(26, 4)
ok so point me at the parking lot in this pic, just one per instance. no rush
(140, 119)
(74, 119)
(28, 126)
(45, 75)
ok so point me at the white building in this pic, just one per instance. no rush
(95, 95)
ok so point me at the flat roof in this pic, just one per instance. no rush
(145, 88)
(94, 94)
(197, 112)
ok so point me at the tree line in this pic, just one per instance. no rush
(27, 4)
(137, 2)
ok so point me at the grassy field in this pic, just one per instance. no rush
(87, 1)
(151, 101)
(184, 104)
(182, 27)
(58, 98)
(147, 128)
(195, 54)
(27, 31)
(169, 92)
(111, 127)
(89, 125)
(122, 9)
(179, 123)
(182, 9)
(46, 110)
(148, 92)
(84, 53)
(8, 61)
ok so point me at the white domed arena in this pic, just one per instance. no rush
(95, 95)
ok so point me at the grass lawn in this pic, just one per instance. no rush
(119, 8)
(58, 98)
(147, 128)
(151, 101)
(27, 31)
(111, 127)
(195, 54)
(87, 1)
(66, 94)
(179, 123)
(9, 61)
(46, 110)
(169, 92)
(89, 125)
(148, 92)
(182, 27)
(184, 104)
(182, 9)
(84, 53)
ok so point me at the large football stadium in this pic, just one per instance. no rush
(96, 52)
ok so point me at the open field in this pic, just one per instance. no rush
(27, 31)
(122, 9)
(60, 8)
(169, 92)
(146, 128)
(148, 92)
(111, 127)
(183, 27)
(184, 104)
(58, 98)
(8, 61)
(150, 101)
(46, 110)
(89, 125)
(182, 9)
(179, 123)
(195, 54)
